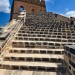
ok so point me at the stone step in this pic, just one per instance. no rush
(35, 59)
(34, 55)
(34, 51)
(33, 66)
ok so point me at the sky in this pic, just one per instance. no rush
(63, 7)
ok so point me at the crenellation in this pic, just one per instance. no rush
(72, 20)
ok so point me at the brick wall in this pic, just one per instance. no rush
(27, 6)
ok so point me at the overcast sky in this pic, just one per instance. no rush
(64, 7)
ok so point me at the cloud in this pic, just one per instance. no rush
(70, 13)
(67, 9)
(5, 6)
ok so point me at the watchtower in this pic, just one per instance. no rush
(31, 6)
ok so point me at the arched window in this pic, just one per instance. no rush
(21, 8)
(40, 11)
(33, 11)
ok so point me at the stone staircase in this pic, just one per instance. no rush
(39, 44)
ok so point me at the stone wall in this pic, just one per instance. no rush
(60, 17)
(29, 5)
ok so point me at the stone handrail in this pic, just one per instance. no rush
(13, 32)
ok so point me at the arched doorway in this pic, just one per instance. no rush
(21, 8)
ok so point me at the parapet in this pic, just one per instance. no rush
(37, 2)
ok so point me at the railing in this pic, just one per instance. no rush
(12, 33)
